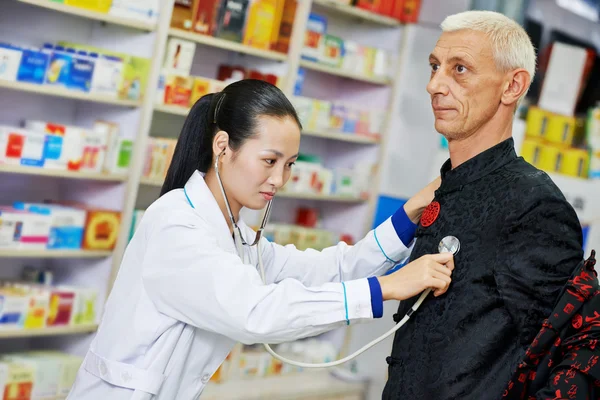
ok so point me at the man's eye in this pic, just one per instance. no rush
(270, 162)
(434, 67)
(461, 69)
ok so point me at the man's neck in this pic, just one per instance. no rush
(486, 137)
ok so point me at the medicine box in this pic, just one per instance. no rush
(231, 20)
(13, 306)
(63, 144)
(84, 305)
(37, 309)
(179, 56)
(205, 15)
(21, 147)
(10, 59)
(561, 129)
(575, 162)
(144, 10)
(101, 6)
(11, 226)
(32, 69)
(95, 146)
(260, 24)
(316, 28)
(67, 224)
(68, 367)
(60, 308)
(82, 72)
(178, 90)
(183, 14)
(333, 48)
(19, 383)
(46, 373)
(108, 75)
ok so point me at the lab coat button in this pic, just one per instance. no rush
(126, 376)
(103, 369)
(205, 378)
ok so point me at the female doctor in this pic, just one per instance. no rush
(188, 287)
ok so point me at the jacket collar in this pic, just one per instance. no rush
(477, 167)
(204, 203)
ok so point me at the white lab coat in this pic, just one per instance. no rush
(183, 297)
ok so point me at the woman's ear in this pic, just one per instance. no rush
(220, 142)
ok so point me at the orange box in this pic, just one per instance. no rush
(285, 27)
(101, 230)
(178, 90)
(200, 88)
(410, 11)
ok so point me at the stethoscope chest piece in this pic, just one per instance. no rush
(449, 244)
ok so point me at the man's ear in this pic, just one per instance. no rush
(517, 83)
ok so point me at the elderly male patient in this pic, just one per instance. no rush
(520, 239)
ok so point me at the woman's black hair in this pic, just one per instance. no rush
(235, 110)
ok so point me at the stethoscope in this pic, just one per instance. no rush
(449, 244)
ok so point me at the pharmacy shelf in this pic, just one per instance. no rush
(57, 173)
(169, 109)
(151, 182)
(56, 91)
(297, 386)
(67, 330)
(339, 7)
(344, 74)
(17, 253)
(227, 45)
(343, 137)
(284, 195)
(320, 197)
(82, 12)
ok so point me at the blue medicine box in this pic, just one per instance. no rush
(82, 71)
(33, 66)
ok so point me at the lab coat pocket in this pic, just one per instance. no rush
(123, 375)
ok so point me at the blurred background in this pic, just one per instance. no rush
(93, 94)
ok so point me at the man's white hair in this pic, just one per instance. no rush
(511, 46)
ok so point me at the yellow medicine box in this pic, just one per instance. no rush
(102, 6)
(531, 150)
(550, 159)
(561, 129)
(576, 162)
(537, 122)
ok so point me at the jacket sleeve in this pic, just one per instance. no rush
(577, 376)
(373, 255)
(191, 279)
(538, 251)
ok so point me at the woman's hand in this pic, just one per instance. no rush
(415, 205)
(430, 271)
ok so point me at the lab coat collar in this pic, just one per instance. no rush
(477, 167)
(206, 205)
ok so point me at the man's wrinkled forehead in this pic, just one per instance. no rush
(471, 45)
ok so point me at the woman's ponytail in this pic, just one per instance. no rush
(194, 146)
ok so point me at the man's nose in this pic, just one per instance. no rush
(438, 84)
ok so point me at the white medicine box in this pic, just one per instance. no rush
(21, 147)
(62, 146)
(10, 60)
(179, 56)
